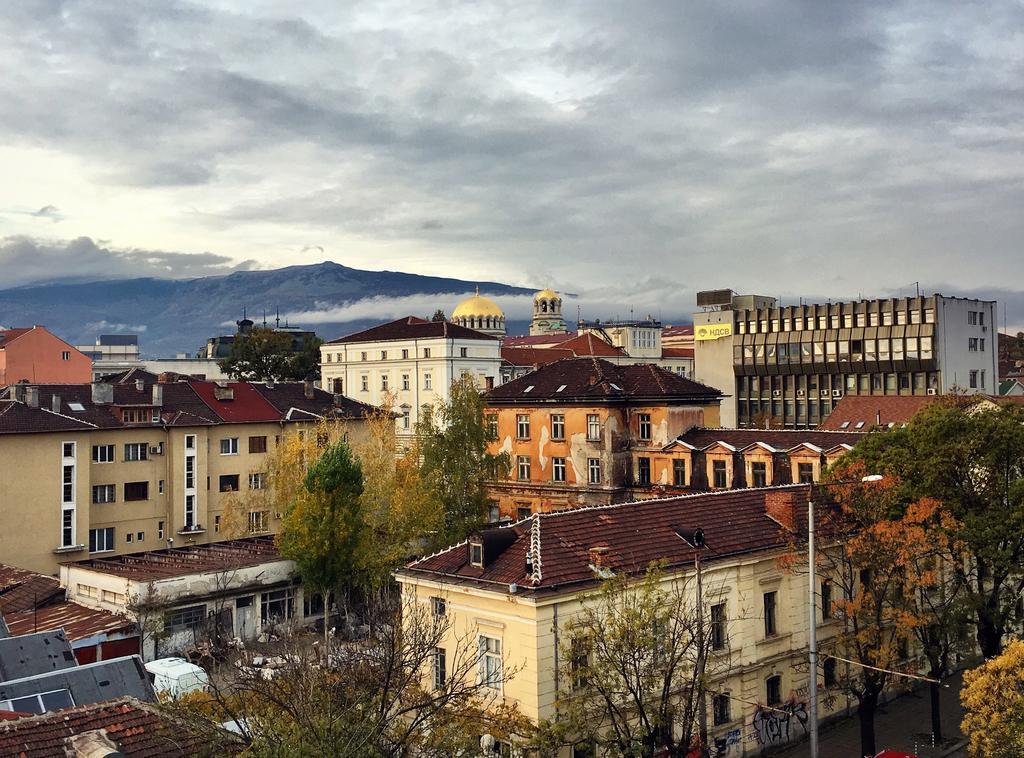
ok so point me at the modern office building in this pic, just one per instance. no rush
(788, 366)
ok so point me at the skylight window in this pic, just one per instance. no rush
(560, 388)
(528, 389)
(844, 425)
(859, 425)
(76, 407)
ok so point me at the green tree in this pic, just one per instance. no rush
(631, 675)
(323, 527)
(993, 701)
(265, 354)
(971, 459)
(456, 463)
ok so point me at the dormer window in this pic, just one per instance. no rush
(476, 553)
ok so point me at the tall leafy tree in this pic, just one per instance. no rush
(993, 701)
(266, 354)
(971, 460)
(456, 462)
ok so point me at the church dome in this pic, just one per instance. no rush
(546, 294)
(478, 305)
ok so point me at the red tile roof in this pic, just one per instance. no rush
(23, 590)
(590, 345)
(136, 728)
(182, 561)
(412, 327)
(677, 352)
(874, 410)
(9, 335)
(779, 439)
(680, 330)
(246, 406)
(77, 621)
(594, 379)
(533, 356)
(528, 340)
(735, 522)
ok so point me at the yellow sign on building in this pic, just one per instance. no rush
(712, 331)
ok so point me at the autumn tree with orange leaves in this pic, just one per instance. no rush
(879, 559)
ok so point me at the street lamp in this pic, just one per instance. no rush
(812, 614)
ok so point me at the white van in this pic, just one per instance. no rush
(174, 677)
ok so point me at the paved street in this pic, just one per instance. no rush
(903, 724)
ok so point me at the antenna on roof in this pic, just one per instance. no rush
(277, 318)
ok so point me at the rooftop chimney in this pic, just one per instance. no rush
(55, 403)
(270, 384)
(102, 393)
(19, 392)
(32, 397)
(597, 555)
(307, 389)
(781, 506)
(158, 395)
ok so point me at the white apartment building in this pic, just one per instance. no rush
(410, 362)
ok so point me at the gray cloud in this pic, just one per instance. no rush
(801, 146)
(24, 261)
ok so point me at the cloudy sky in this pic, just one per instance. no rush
(819, 147)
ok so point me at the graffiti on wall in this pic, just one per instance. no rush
(729, 745)
(781, 723)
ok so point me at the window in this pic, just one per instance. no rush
(136, 491)
(228, 483)
(438, 606)
(229, 446)
(972, 318)
(426, 352)
(594, 470)
(190, 511)
(523, 512)
(557, 426)
(68, 485)
(490, 662)
(140, 536)
(216, 524)
(258, 481)
(258, 444)
(593, 427)
(805, 473)
(277, 606)
(102, 453)
(101, 540)
(558, 469)
(383, 355)
(160, 487)
(523, 468)
(136, 451)
(719, 636)
(440, 668)
(773, 689)
(720, 708)
(405, 354)
(981, 380)
(128, 537)
(476, 554)
(826, 600)
(104, 493)
(493, 512)
(758, 474)
(643, 470)
(190, 442)
(492, 426)
(362, 356)
(65, 355)
(159, 530)
(644, 426)
(463, 352)
(384, 382)
(679, 472)
(190, 472)
(364, 383)
(405, 381)
(580, 662)
(139, 415)
(770, 628)
(829, 666)
(522, 426)
(427, 383)
(406, 417)
(182, 619)
(258, 521)
(972, 344)
(67, 528)
(972, 379)
(718, 475)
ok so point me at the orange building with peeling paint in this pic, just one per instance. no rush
(38, 356)
(572, 429)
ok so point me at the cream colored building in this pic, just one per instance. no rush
(110, 469)
(515, 590)
(408, 364)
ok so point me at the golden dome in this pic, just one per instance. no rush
(478, 305)
(546, 294)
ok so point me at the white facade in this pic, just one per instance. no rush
(407, 374)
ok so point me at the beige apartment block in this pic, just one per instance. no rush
(104, 469)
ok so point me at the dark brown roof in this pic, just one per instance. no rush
(290, 400)
(593, 379)
(182, 561)
(735, 522)
(22, 590)
(412, 327)
(136, 728)
(862, 412)
(530, 340)
(18, 418)
(677, 352)
(533, 356)
(777, 439)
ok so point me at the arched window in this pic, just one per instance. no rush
(543, 306)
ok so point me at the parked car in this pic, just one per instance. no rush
(174, 677)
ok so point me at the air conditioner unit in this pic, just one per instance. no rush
(776, 393)
(837, 393)
(157, 449)
(799, 393)
(932, 391)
